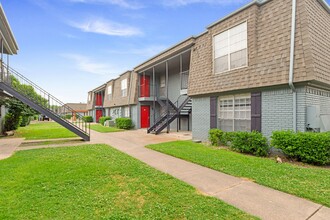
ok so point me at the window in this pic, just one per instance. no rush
(230, 49)
(110, 92)
(124, 87)
(89, 97)
(235, 113)
(126, 112)
(115, 113)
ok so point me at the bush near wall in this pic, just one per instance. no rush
(87, 118)
(308, 147)
(103, 119)
(124, 123)
(250, 142)
(245, 142)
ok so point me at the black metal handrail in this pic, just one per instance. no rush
(43, 98)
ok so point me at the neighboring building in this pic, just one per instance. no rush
(121, 97)
(95, 102)
(240, 76)
(74, 108)
(116, 98)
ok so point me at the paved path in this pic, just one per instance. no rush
(8, 146)
(257, 200)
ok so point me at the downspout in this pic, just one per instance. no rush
(291, 70)
(130, 93)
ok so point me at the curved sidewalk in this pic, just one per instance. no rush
(248, 196)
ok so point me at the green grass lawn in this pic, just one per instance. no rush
(98, 182)
(104, 129)
(44, 130)
(308, 182)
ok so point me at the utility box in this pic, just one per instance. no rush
(313, 120)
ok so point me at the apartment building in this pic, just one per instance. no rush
(264, 67)
(116, 98)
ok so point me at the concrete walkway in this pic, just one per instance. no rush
(8, 146)
(255, 199)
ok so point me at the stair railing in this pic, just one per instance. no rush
(41, 97)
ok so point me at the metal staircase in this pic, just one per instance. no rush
(170, 114)
(29, 93)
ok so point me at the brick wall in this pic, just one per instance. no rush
(201, 118)
(276, 111)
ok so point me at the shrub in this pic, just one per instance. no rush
(87, 118)
(25, 121)
(228, 137)
(68, 116)
(250, 142)
(103, 119)
(215, 136)
(308, 147)
(12, 122)
(124, 123)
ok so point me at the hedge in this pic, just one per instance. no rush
(245, 142)
(308, 147)
(124, 123)
(103, 119)
(87, 118)
(251, 143)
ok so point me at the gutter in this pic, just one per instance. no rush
(291, 68)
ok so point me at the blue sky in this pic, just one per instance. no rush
(69, 47)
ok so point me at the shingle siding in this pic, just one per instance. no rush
(318, 30)
(269, 32)
(201, 118)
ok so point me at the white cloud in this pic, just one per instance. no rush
(86, 64)
(149, 51)
(177, 3)
(102, 26)
(120, 3)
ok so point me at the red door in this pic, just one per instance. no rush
(145, 86)
(98, 100)
(98, 115)
(145, 116)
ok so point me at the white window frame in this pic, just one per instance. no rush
(124, 88)
(233, 98)
(229, 51)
